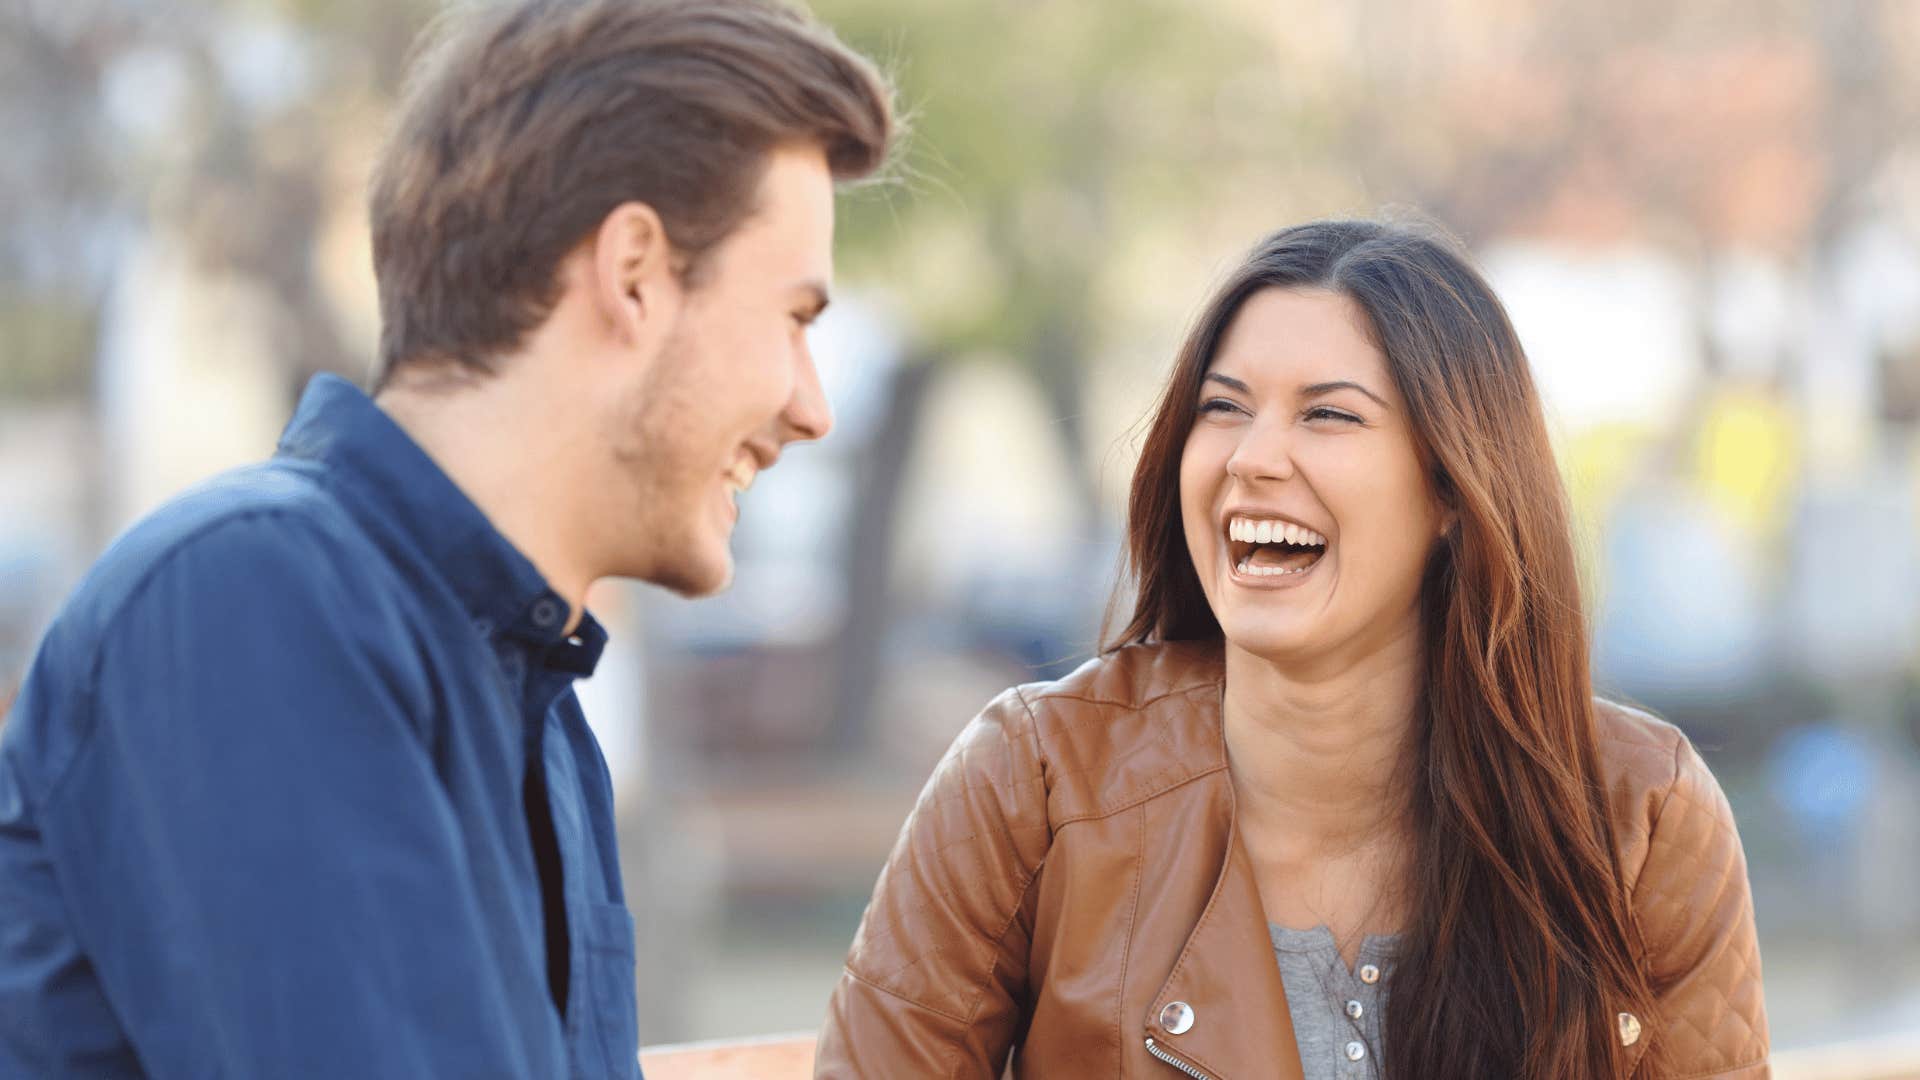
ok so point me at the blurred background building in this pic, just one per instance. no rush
(1705, 218)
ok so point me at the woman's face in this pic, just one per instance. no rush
(1306, 509)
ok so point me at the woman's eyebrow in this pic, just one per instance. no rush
(1308, 391)
(1228, 381)
(1321, 388)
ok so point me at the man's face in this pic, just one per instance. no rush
(732, 385)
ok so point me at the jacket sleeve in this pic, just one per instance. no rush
(258, 851)
(936, 982)
(1696, 917)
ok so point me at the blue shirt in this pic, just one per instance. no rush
(292, 781)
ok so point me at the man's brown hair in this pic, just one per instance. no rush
(524, 124)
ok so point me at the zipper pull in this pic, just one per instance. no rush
(1155, 1050)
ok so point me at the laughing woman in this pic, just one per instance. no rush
(1338, 802)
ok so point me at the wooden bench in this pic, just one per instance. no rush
(790, 1057)
(770, 1057)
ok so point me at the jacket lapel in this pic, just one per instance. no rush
(1223, 1008)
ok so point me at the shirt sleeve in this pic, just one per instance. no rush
(1695, 910)
(936, 980)
(257, 852)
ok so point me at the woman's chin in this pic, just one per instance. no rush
(1274, 640)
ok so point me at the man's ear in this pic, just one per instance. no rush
(634, 286)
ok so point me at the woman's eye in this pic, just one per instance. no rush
(1218, 405)
(1322, 412)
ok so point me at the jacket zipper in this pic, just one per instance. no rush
(1174, 1061)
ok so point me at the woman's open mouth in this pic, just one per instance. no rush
(1268, 547)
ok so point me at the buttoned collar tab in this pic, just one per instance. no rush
(378, 469)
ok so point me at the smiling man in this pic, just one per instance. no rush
(297, 784)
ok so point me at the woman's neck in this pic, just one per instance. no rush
(1318, 756)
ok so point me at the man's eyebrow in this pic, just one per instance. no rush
(1322, 388)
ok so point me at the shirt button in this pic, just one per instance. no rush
(1177, 1017)
(1356, 1051)
(546, 614)
(1354, 1010)
(1369, 974)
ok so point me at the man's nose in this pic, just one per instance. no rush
(808, 415)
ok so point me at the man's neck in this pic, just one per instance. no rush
(485, 437)
(1317, 757)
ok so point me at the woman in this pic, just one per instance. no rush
(1338, 801)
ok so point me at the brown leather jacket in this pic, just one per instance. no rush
(1072, 869)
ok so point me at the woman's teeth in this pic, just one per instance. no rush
(1246, 567)
(1279, 548)
(1254, 531)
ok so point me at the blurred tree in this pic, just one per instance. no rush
(216, 123)
(1046, 139)
(59, 204)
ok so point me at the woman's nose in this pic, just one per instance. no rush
(1264, 453)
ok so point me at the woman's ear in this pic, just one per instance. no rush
(1445, 498)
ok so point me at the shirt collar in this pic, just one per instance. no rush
(378, 468)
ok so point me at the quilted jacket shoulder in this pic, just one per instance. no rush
(1686, 876)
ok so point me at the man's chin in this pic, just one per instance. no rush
(694, 581)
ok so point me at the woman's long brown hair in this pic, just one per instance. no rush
(1519, 952)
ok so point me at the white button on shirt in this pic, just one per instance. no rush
(1335, 1010)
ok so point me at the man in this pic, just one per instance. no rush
(297, 785)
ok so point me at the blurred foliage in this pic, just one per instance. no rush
(43, 334)
(1076, 168)
(1077, 172)
(1042, 134)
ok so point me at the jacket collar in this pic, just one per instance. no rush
(1234, 1030)
(386, 477)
